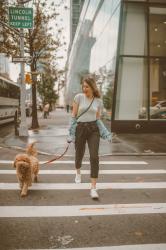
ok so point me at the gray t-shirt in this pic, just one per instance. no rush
(83, 103)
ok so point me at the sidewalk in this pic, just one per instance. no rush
(52, 134)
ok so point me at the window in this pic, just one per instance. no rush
(157, 88)
(157, 31)
(131, 101)
(134, 30)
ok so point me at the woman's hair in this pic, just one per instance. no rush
(92, 84)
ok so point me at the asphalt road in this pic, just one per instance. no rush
(57, 213)
(6, 130)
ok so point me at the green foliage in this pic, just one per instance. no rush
(10, 44)
(46, 89)
(40, 43)
(42, 46)
(107, 98)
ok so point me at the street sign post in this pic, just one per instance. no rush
(20, 17)
(21, 59)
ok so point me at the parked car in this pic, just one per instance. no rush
(160, 114)
(160, 105)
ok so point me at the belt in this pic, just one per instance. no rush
(92, 122)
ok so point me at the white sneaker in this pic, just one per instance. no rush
(78, 178)
(93, 193)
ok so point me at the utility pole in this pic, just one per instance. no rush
(23, 129)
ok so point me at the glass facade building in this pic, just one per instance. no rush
(140, 85)
(91, 50)
(76, 7)
(124, 43)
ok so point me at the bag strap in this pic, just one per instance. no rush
(86, 109)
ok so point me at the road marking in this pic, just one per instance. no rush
(103, 171)
(87, 162)
(82, 210)
(122, 247)
(83, 186)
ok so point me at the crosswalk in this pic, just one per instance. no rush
(57, 213)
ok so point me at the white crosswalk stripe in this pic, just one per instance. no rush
(86, 210)
(87, 162)
(83, 186)
(127, 247)
(103, 171)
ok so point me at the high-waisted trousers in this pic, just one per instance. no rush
(87, 132)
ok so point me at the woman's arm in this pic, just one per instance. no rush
(98, 114)
(75, 109)
(99, 110)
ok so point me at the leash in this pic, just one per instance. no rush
(58, 156)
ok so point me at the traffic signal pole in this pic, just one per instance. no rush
(23, 129)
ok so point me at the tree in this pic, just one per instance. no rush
(107, 98)
(46, 89)
(39, 42)
(41, 45)
(9, 45)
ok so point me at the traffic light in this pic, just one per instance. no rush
(28, 78)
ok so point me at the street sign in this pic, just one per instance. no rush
(21, 17)
(21, 59)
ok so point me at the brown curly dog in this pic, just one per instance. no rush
(27, 168)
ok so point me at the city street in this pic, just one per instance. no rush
(83, 79)
(57, 213)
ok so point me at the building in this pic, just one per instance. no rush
(76, 7)
(124, 43)
(75, 11)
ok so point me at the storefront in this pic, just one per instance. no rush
(124, 43)
(139, 103)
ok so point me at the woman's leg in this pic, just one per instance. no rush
(93, 144)
(80, 142)
(93, 182)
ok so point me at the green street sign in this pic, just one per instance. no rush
(21, 17)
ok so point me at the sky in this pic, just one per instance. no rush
(63, 22)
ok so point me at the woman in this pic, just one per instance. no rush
(89, 105)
